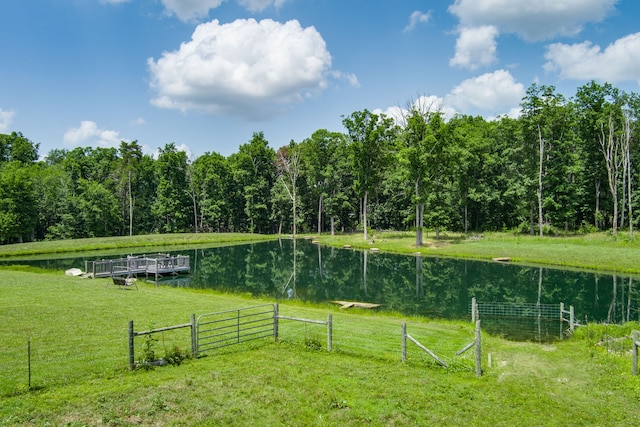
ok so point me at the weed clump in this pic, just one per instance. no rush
(148, 360)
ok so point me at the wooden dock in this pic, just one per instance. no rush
(156, 265)
(356, 304)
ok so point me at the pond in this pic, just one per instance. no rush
(412, 285)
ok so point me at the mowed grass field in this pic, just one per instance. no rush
(147, 242)
(598, 251)
(77, 329)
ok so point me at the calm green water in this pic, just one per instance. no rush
(433, 287)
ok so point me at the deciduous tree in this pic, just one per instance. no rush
(371, 137)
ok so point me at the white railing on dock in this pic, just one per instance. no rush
(133, 265)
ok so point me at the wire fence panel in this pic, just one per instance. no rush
(519, 310)
(522, 321)
(44, 361)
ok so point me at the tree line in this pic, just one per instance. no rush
(564, 164)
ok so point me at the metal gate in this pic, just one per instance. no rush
(231, 327)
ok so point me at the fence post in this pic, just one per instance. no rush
(238, 326)
(29, 359)
(404, 342)
(131, 346)
(571, 319)
(276, 310)
(478, 349)
(329, 332)
(634, 365)
(474, 310)
(194, 338)
(561, 320)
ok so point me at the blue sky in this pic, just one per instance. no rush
(207, 74)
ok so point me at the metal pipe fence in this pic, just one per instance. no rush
(225, 328)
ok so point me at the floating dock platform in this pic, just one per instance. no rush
(156, 265)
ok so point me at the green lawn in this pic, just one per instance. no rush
(594, 252)
(147, 241)
(78, 333)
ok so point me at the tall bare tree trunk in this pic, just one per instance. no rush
(295, 229)
(623, 200)
(419, 215)
(320, 214)
(130, 207)
(289, 164)
(611, 150)
(364, 215)
(540, 219)
(627, 162)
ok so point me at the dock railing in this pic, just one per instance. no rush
(134, 265)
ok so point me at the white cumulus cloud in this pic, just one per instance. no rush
(180, 147)
(619, 61)
(351, 78)
(490, 93)
(476, 46)
(395, 112)
(88, 133)
(6, 118)
(244, 68)
(532, 20)
(482, 21)
(424, 104)
(416, 18)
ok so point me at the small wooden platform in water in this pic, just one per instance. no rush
(350, 304)
(502, 259)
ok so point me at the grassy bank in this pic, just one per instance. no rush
(599, 252)
(78, 331)
(148, 241)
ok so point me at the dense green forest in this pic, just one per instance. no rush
(564, 164)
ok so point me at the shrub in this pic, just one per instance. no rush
(175, 356)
